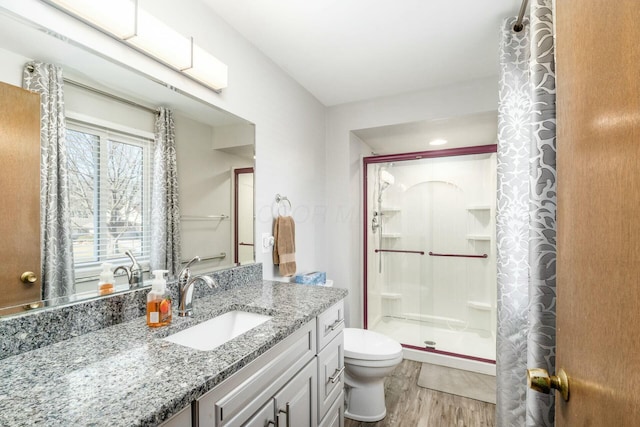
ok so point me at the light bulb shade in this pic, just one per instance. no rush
(161, 41)
(114, 16)
(207, 69)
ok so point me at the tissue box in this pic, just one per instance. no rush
(313, 278)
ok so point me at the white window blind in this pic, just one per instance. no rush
(110, 184)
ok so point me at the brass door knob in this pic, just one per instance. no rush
(28, 277)
(539, 380)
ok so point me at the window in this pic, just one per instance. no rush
(109, 180)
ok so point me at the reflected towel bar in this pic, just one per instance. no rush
(398, 251)
(459, 255)
(207, 258)
(203, 217)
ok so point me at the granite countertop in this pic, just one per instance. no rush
(125, 375)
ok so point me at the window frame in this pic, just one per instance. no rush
(108, 131)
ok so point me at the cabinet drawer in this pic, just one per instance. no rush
(330, 374)
(330, 324)
(335, 414)
(246, 391)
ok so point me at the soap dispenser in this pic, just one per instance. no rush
(158, 301)
(106, 282)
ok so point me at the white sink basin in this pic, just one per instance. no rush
(217, 331)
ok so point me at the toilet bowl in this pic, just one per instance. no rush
(368, 358)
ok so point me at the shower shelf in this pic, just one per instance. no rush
(479, 208)
(390, 295)
(479, 305)
(390, 210)
(391, 235)
(478, 237)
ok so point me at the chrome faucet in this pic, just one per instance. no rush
(134, 272)
(185, 285)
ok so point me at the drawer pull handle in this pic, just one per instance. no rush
(333, 326)
(336, 375)
(286, 412)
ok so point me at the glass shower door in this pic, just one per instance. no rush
(430, 273)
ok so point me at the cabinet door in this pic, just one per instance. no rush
(265, 417)
(181, 419)
(330, 374)
(335, 414)
(296, 403)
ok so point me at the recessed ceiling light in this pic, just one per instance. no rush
(438, 142)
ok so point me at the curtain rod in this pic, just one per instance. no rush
(518, 26)
(109, 95)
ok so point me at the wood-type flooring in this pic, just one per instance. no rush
(409, 405)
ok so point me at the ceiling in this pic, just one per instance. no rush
(351, 50)
(464, 131)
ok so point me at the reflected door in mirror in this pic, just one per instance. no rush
(243, 221)
(19, 195)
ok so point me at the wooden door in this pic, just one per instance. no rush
(19, 194)
(598, 305)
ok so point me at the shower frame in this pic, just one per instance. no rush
(386, 158)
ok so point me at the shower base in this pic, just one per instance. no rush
(471, 343)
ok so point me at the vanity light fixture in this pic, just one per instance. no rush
(157, 39)
(149, 35)
(117, 17)
(438, 141)
(206, 68)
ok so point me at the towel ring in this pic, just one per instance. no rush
(280, 202)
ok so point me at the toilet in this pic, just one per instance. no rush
(368, 358)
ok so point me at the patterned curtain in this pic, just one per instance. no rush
(541, 346)
(56, 247)
(512, 224)
(165, 210)
(526, 233)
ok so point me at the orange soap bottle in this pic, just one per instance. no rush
(158, 301)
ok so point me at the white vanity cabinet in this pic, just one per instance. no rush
(181, 419)
(331, 366)
(297, 383)
(293, 405)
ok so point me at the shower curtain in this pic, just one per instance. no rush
(525, 223)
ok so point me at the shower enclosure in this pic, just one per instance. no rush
(429, 232)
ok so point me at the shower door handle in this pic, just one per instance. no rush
(540, 380)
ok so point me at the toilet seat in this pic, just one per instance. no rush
(366, 345)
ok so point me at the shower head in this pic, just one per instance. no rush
(386, 179)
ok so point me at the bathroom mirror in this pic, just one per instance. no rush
(212, 145)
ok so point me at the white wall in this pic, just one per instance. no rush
(344, 210)
(290, 123)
